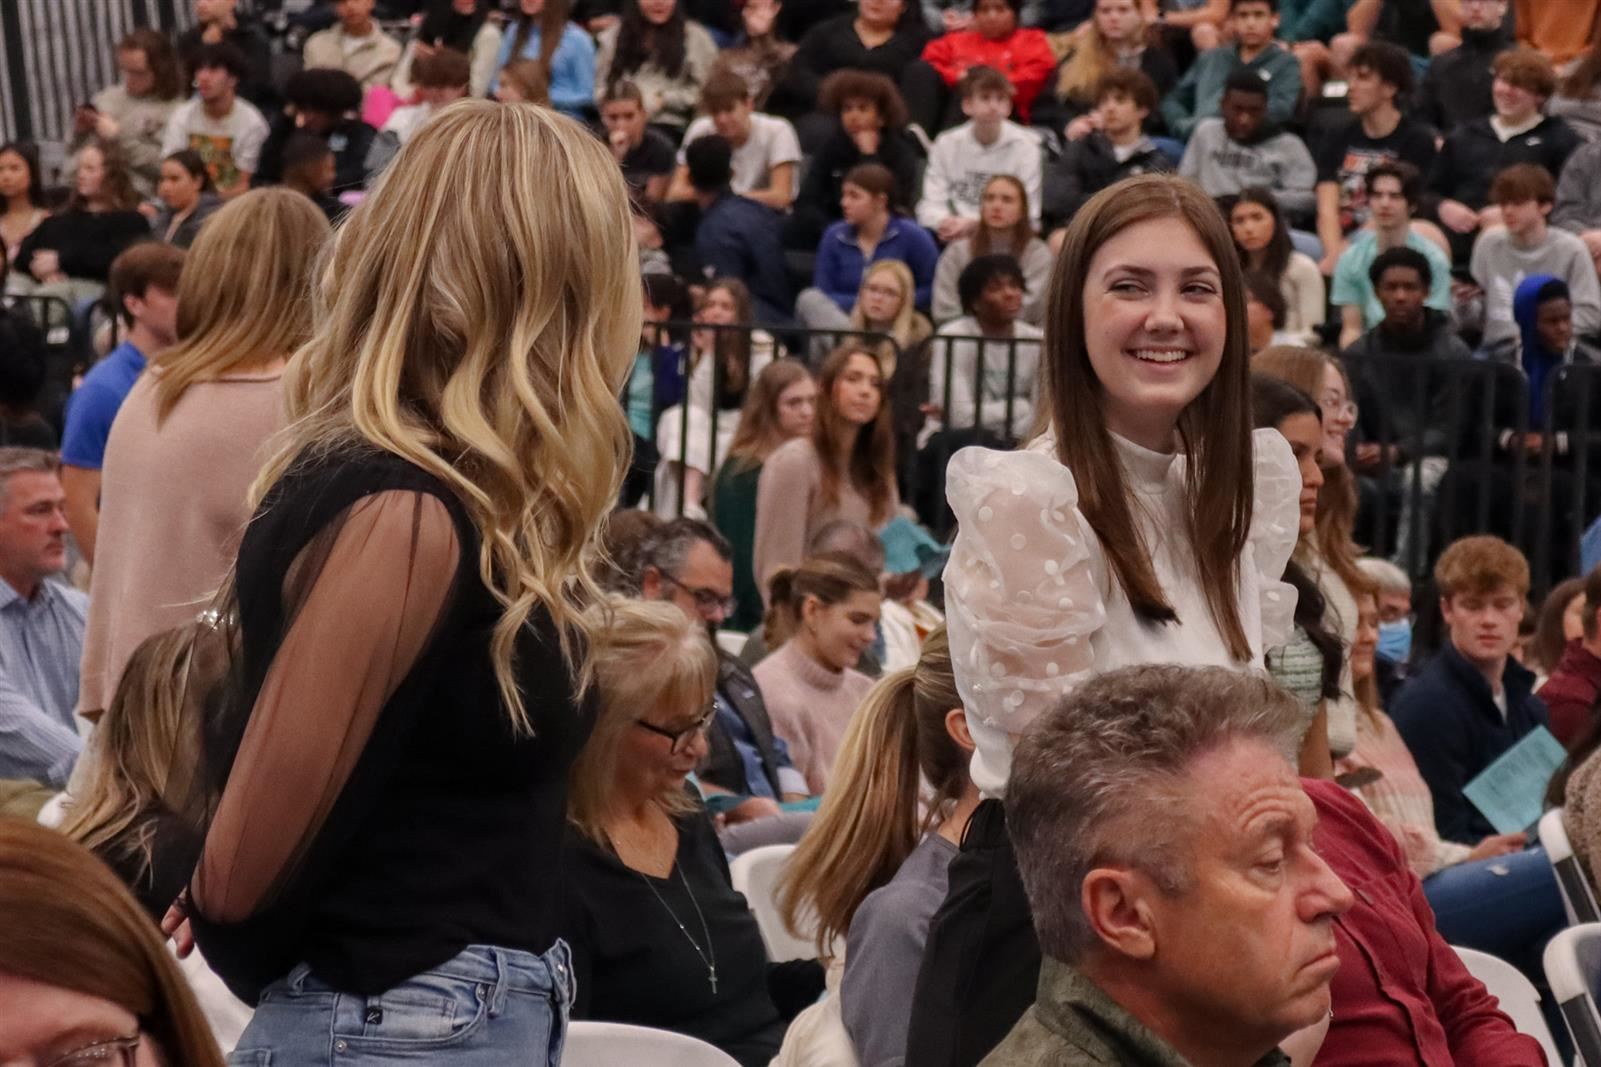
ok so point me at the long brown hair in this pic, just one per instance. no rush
(161, 56)
(1336, 502)
(873, 814)
(757, 434)
(828, 577)
(71, 924)
(1018, 237)
(116, 187)
(1215, 429)
(864, 456)
(245, 295)
(732, 346)
(552, 24)
(1548, 644)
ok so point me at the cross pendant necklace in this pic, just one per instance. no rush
(709, 957)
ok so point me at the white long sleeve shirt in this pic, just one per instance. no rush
(959, 167)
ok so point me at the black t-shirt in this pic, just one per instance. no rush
(1350, 153)
(635, 965)
(653, 156)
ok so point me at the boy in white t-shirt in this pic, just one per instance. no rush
(766, 150)
(227, 131)
(966, 158)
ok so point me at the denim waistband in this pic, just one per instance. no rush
(500, 970)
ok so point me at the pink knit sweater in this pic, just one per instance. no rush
(810, 706)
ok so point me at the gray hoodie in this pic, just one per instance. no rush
(1278, 161)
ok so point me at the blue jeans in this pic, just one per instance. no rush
(487, 1007)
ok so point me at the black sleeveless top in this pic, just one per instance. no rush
(448, 829)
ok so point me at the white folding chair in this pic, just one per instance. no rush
(1578, 895)
(755, 874)
(1572, 967)
(731, 641)
(616, 1045)
(1518, 997)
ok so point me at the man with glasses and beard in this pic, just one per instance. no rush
(688, 563)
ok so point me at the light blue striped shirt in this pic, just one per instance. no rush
(41, 648)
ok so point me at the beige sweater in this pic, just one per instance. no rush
(810, 706)
(172, 508)
(790, 509)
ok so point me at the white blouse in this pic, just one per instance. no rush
(1032, 606)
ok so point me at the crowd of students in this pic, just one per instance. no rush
(989, 532)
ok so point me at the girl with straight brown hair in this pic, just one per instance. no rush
(1144, 523)
(84, 976)
(845, 469)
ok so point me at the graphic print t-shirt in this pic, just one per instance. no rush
(1348, 156)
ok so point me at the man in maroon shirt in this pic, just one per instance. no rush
(1572, 689)
(1401, 995)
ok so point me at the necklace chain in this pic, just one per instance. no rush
(711, 963)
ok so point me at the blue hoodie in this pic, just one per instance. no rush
(1538, 360)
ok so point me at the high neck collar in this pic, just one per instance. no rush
(811, 673)
(1146, 469)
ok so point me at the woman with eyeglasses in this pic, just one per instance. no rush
(660, 938)
(823, 616)
(84, 978)
(1328, 553)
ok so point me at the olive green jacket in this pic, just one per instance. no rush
(1073, 1024)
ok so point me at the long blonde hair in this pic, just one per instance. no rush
(481, 328)
(873, 814)
(244, 297)
(648, 654)
(70, 923)
(1091, 60)
(909, 328)
(150, 725)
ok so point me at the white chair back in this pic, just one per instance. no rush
(755, 874)
(1518, 997)
(732, 641)
(1572, 966)
(592, 1044)
(1578, 895)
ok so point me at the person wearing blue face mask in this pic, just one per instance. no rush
(1395, 624)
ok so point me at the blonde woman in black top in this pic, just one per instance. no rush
(385, 772)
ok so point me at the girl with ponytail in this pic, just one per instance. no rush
(870, 872)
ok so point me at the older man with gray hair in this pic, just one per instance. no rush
(1165, 844)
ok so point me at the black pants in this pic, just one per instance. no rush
(981, 964)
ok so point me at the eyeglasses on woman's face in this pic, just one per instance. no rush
(680, 738)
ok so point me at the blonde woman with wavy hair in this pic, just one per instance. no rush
(191, 436)
(384, 776)
(84, 977)
(878, 310)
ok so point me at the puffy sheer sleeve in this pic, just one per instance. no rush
(1021, 593)
(1275, 528)
(361, 602)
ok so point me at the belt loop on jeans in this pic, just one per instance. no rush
(497, 996)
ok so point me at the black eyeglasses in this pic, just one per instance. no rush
(115, 1052)
(707, 601)
(680, 738)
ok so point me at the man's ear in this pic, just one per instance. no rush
(650, 583)
(1114, 900)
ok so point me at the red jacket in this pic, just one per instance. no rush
(1570, 693)
(1402, 995)
(1025, 57)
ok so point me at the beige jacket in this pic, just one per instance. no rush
(370, 60)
